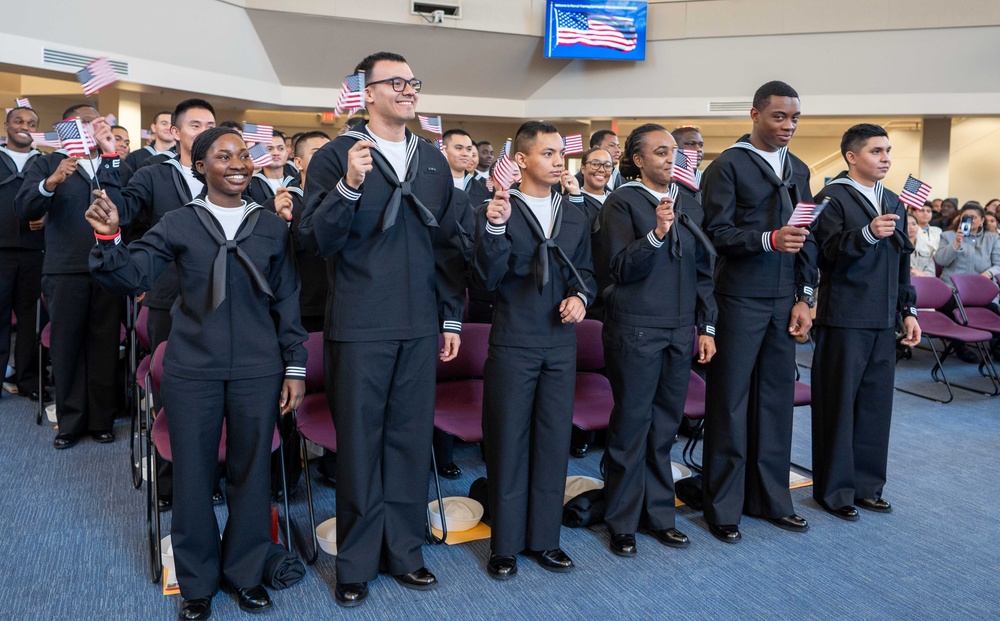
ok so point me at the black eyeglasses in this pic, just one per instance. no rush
(595, 165)
(399, 84)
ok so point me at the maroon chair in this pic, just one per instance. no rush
(458, 404)
(976, 294)
(933, 294)
(315, 423)
(158, 445)
(592, 399)
(140, 396)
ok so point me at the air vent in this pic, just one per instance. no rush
(730, 106)
(449, 9)
(79, 61)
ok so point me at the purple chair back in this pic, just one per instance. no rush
(314, 362)
(975, 289)
(142, 328)
(471, 356)
(589, 346)
(156, 366)
(931, 292)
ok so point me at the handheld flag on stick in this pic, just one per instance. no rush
(74, 138)
(96, 75)
(261, 156)
(431, 124)
(686, 167)
(504, 169)
(439, 143)
(352, 91)
(257, 133)
(46, 139)
(915, 192)
(22, 102)
(806, 213)
(573, 144)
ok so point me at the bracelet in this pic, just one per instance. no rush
(774, 235)
(111, 237)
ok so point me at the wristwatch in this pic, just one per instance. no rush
(809, 299)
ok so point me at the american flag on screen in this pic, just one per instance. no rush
(96, 75)
(73, 138)
(686, 167)
(22, 102)
(504, 169)
(573, 144)
(352, 91)
(261, 156)
(915, 192)
(46, 139)
(431, 124)
(573, 27)
(257, 133)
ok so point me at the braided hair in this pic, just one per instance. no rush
(635, 141)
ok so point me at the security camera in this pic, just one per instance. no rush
(437, 17)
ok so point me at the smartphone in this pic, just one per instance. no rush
(966, 226)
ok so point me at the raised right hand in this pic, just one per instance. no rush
(102, 214)
(359, 162)
(790, 239)
(958, 238)
(664, 216)
(884, 225)
(498, 211)
(66, 168)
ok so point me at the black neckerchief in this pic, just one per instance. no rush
(898, 239)
(545, 243)
(679, 217)
(9, 162)
(250, 215)
(784, 184)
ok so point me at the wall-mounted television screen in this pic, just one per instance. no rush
(601, 29)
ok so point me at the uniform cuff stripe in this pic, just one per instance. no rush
(496, 230)
(710, 330)
(653, 239)
(347, 192)
(43, 191)
(451, 325)
(575, 199)
(869, 237)
(295, 371)
(765, 240)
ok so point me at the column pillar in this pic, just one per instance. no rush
(935, 155)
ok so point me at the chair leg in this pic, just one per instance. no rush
(152, 511)
(41, 364)
(935, 370)
(444, 523)
(308, 556)
(284, 492)
(692, 443)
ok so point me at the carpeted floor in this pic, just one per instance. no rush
(74, 546)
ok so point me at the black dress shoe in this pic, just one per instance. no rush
(65, 440)
(164, 504)
(877, 505)
(670, 537)
(450, 471)
(726, 533)
(623, 544)
(553, 560)
(501, 567)
(847, 512)
(196, 609)
(420, 580)
(103, 437)
(250, 599)
(217, 497)
(351, 594)
(791, 522)
(579, 451)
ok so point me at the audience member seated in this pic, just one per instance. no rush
(921, 264)
(928, 237)
(946, 215)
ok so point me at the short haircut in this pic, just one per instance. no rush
(189, 104)
(480, 144)
(28, 108)
(635, 141)
(369, 61)
(170, 115)
(454, 132)
(232, 125)
(775, 88)
(203, 142)
(299, 144)
(121, 127)
(858, 136)
(526, 134)
(71, 111)
(683, 129)
(278, 132)
(598, 137)
(586, 154)
(354, 121)
(295, 138)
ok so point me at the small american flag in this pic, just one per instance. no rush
(573, 144)
(352, 96)
(915, 192)
(22, 102)
(261, 156)
(431, 124)
(504, 169)
(46, 139)
(257, 133)
(96, 75)
(439, 143)
(806, 213)
(686, 167)
(73, 138)
(574, 27)
(145, 134)
(112, 120)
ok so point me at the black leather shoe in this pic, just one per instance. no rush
(579, 451)
(217, 497)
(164, 504)
(847, 512)
(251, 599)
(420, 580)
(450, 471)
(791, 522)
(553, 560)
(623, 544)
(877, 505)
(726, 533)
(670, 537)
(501, 567)
(351, 594)
(65, 440)
(103, 437)
(33, 395)
(196, 609)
